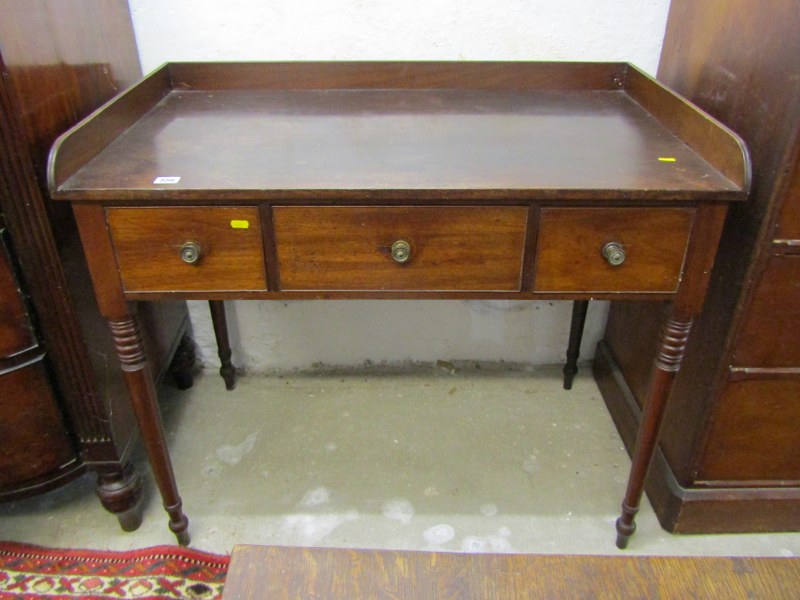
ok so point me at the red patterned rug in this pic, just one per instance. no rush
(161, 572)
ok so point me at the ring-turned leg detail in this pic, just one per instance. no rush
(133, 360)
(672, 345)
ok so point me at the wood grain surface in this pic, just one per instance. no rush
(16, 332)
(387, 75)
(147, 242)
(735, 447)
(321, 573)
(568, 253)
(36, 442)
(787, 227)
(349, 248)
(254, 142)
(774, 309)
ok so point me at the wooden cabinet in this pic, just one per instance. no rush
(730, 446)
(36, 442)
(63, 407)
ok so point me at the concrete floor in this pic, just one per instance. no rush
(495, 459)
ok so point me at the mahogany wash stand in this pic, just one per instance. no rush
(275, 181)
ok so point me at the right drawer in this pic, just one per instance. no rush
(611, 249)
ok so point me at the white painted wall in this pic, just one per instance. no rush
(298, 334)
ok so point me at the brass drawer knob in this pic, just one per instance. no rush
(190, 253)
(614, 253)
(401, 251)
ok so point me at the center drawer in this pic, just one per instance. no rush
(413, 248)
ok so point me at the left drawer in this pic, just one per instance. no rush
(188, 248)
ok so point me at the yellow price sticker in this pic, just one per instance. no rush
(240, 224)
(667, 159)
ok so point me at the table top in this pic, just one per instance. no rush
(419, 139)
(457, 140)
(284, 572)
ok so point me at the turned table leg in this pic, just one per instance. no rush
(672, 344)
(579, 308)
(108, 289)
(688, 303)
(136, 372)
(226, 370)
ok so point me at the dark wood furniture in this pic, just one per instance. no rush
(730, 449)
(398, 180)
(274, 572)
(36, 443)
(220, 323)
(577, 323)
(64, 409)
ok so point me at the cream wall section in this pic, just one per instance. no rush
(627, 30)
(299, 334)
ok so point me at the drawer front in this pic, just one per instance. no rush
(788, 226)
(16, 333)
(754, 433)
(448, 248)
(769, 331)
(35, 440)
(569, 251)
(153, 246)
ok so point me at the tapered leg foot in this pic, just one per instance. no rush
(228, 374)
(178, 523)
(569, 375)
(220, 322)
(120, 493)
(626, 526)
(579, 308)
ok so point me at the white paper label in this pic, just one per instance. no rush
(167, 180)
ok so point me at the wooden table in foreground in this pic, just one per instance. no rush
(276, 181)
(267, 572)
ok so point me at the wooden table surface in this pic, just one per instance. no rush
(288, 572)
(399, 140)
